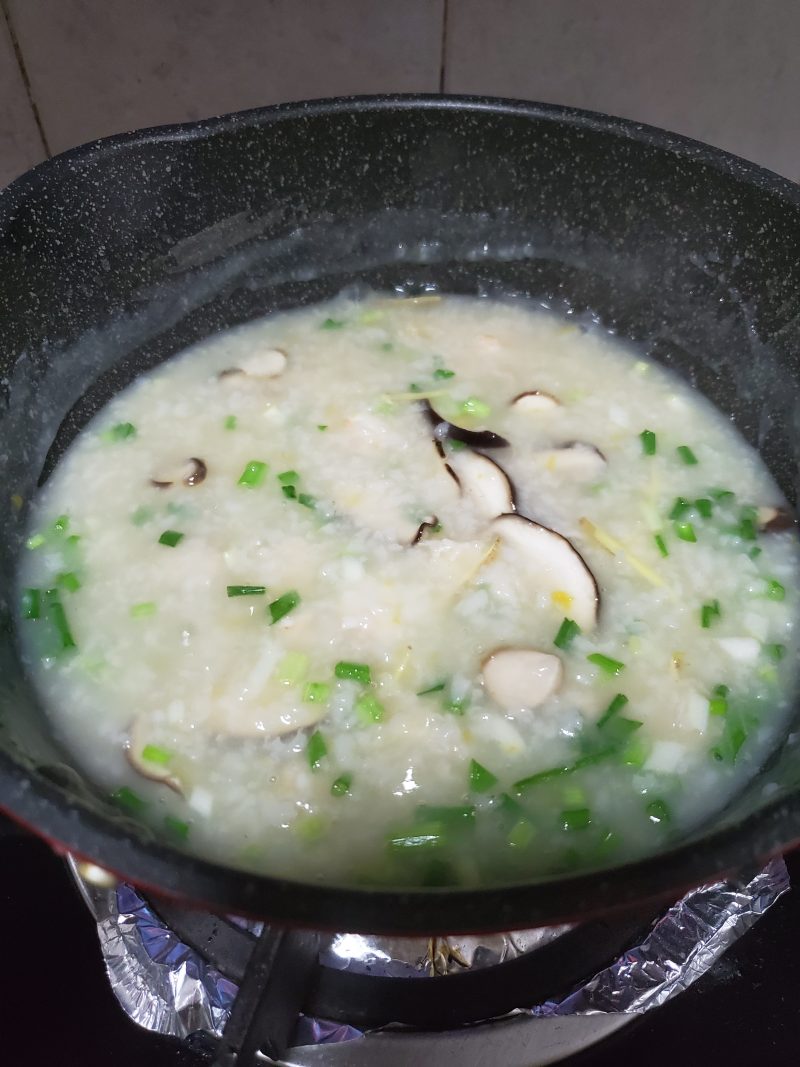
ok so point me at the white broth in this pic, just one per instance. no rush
(271, 606)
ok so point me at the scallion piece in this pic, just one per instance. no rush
(31, 603)
(680, 508)
(342, 785)
(253, 474)
(35, 541)
(289, 491)
(456, 705)
(747, 529)
(541, 776)
(775, 652)
(616, 705)
(718, 704)
(709, 612)
(306, 500)
(177, 827)
(721, 495)
(293, 668)
(521, 834)
(648, 439)
(754, 552)
(661, 544)
(316, 750)
(475, 408)
(704, 507)
(332, 324)
(356, 672)
(775, 590)
(156, 754)
(567, 632)
(686, 454)
(142, 515)
(58, 617)
(658, 812)
(246, 590)
(283, 605)
(369, 709)
(127, 799)
(481, 780)
(121, 432)
(322, 427)
(230, 422)
(171, 538)
(685, 531)
(576, 818)
(606, 663)
(316, 693)
(438, 688)
(70, 581)
(443, 373)
(143, 610)
(289, 478)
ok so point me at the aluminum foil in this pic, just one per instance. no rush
(167, 987)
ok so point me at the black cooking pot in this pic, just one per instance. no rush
(118, 254)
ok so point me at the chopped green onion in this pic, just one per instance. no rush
(481, 780)
(454, 445)
(61, 524)
(685, 531)
(521, 834)
(171, 538)
(442, 373)
(283, 605)
(475, 408)
(246, 590)
(316, 693)
(230, 422)
(453, 817)
(619, 729)
(661, 544)
(155, 754)
(704, 507)
(606, 663)
(709, 612)
(316, 750)
(342, 785)
(414, 388)
(289, 491)
(306, 500)
(456, 705)
(747, 529)
(635, 753)
(356, 672)
(322, 427)
(680, 508)
(658, 812)
(126, 798)
(686, 454)
(567, 632)
(142, 515)
(69, 580)
(58, 617)
(332, 324)
(775, 652)
(177, 827)
(576, 819)
(141, 611)
(35, 541)
(721, 690)
(386, 346)
(541, 776)
(253, 474)
(775, 590)
(734, 736)
(648, 439)
(754, 552)
(289, 478)
(721, 495)
(121, 432)
(369, 709)
(31, 603)
(616, 705)
(293, 668)
(718, 705)
(438, 688)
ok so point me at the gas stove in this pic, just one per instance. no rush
(325, 1006)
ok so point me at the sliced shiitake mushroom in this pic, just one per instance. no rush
(444, 429)
(552, 564)
(483, 482)
(575, 459)
(267, 364)
(139, 737)
(192, 472)
(427, 526)
(535, 400)
(775, 519)
(519, 678)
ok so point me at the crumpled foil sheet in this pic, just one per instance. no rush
(165, 986)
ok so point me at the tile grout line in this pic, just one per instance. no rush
(443, 53)
(24, 75)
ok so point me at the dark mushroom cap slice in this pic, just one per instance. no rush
(139, 736)
(191, 472)
(483, 482)
(535, 400)
(773, 519)
(443, 429)
(427, 526)
(518, 678)
(269, 363)
(552, 564)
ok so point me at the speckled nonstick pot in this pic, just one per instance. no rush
(117, 254)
